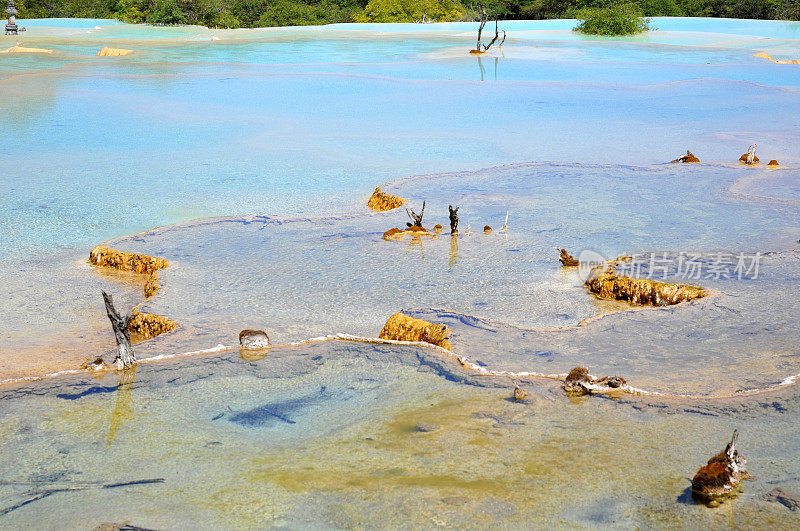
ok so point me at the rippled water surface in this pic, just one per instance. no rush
(254, 152)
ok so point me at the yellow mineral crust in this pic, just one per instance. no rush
(381, 202)
(607, 284)
(148, 325)
(113, 52)
(401, 327)
(138, 263)
(20, 49)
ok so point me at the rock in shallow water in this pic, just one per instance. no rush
(719, 480)
(401, 327)
(426, 427)
(784, 497)
(254, 339)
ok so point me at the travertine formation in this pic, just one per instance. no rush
(606, 283)
(397, 234)
(21, 49)
(148, 325)
(381, 202)
(401, 327)
(113, 52)
(719, 479)
(138, 263)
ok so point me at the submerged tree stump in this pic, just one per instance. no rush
(416, 218)
(126, 357)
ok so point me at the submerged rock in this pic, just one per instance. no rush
(567, 260)
(784, 497)
(124, 526)
(254, 339)
(148, 325)
(605, 283)
(580, 382)
(426, 427)
(689, 157)
(413, 231)
(401, 327)
(719, 479)
(519, 393)
(381, 201)
(113, 52)
(97, 365)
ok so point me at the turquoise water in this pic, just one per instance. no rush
(256, 154)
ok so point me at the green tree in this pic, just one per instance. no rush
(166, 12)
(618, 19)
(411, 10)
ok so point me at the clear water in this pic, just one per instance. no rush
(272, 140)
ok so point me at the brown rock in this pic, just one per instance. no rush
(773, 162)
(437, 229)
(580, 382)
(148, 325)
(254, 339)
(567, 260)
(401, 327)
(743, 159)
(784, 497)
(689, 157)
(413, 231)
(391, 233)
(426, 427)
(519, 393)
(605, 283)
(576, 380)
(487, 229)
(96, 365)
(719, 479)
(381, 202)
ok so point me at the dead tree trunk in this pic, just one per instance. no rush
(480, 29)
(416, 218)
(481, 48)
(126, 357)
